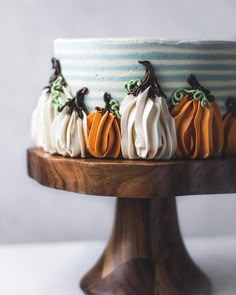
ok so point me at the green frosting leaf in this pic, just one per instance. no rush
(131, 85)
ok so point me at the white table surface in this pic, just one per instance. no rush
(55, 269)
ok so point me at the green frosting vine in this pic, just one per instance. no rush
(115, 107)
(131, 85)
(198, 92)
(55, 92)
(195, 94)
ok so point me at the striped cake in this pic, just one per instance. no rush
(107, 64)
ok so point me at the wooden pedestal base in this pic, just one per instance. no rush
(145, 254)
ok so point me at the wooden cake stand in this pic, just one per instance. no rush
(145, 254)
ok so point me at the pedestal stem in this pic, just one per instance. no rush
(145, 254)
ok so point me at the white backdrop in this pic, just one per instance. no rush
(30, 212)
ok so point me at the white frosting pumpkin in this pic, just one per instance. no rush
(147, 128)
(69, 134)
(46, 110)
(43, 117)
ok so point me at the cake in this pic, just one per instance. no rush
(138, 99)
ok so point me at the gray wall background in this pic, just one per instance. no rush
(30, 212)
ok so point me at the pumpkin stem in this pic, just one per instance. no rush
(106, 98)
(149, 80)
(77, 103)
(194, 83)
(111, 105)
(57, 72)
(231, 105)
(79, 99)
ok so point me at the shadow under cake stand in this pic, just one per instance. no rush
(145, 254)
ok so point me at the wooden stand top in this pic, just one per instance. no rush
(133, 179)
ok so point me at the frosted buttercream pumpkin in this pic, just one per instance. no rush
(104, 138)
(50, 101)
(198, 121)
(69, 129)
(147, 128)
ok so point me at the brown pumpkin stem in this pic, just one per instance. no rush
(77, 103)
(107, 108)
(149, 80)
(107, 98)
(79, 99)
(194, 83)
(57, 72)
(231, 105)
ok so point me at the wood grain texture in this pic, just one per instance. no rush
(133, 179)
(145, 254)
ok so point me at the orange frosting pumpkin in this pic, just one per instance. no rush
(229, 120)
(104, 137)
(199, 126)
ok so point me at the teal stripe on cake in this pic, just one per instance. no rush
(170, 78)
(136, 67)
(150, 56)
(230, 90)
